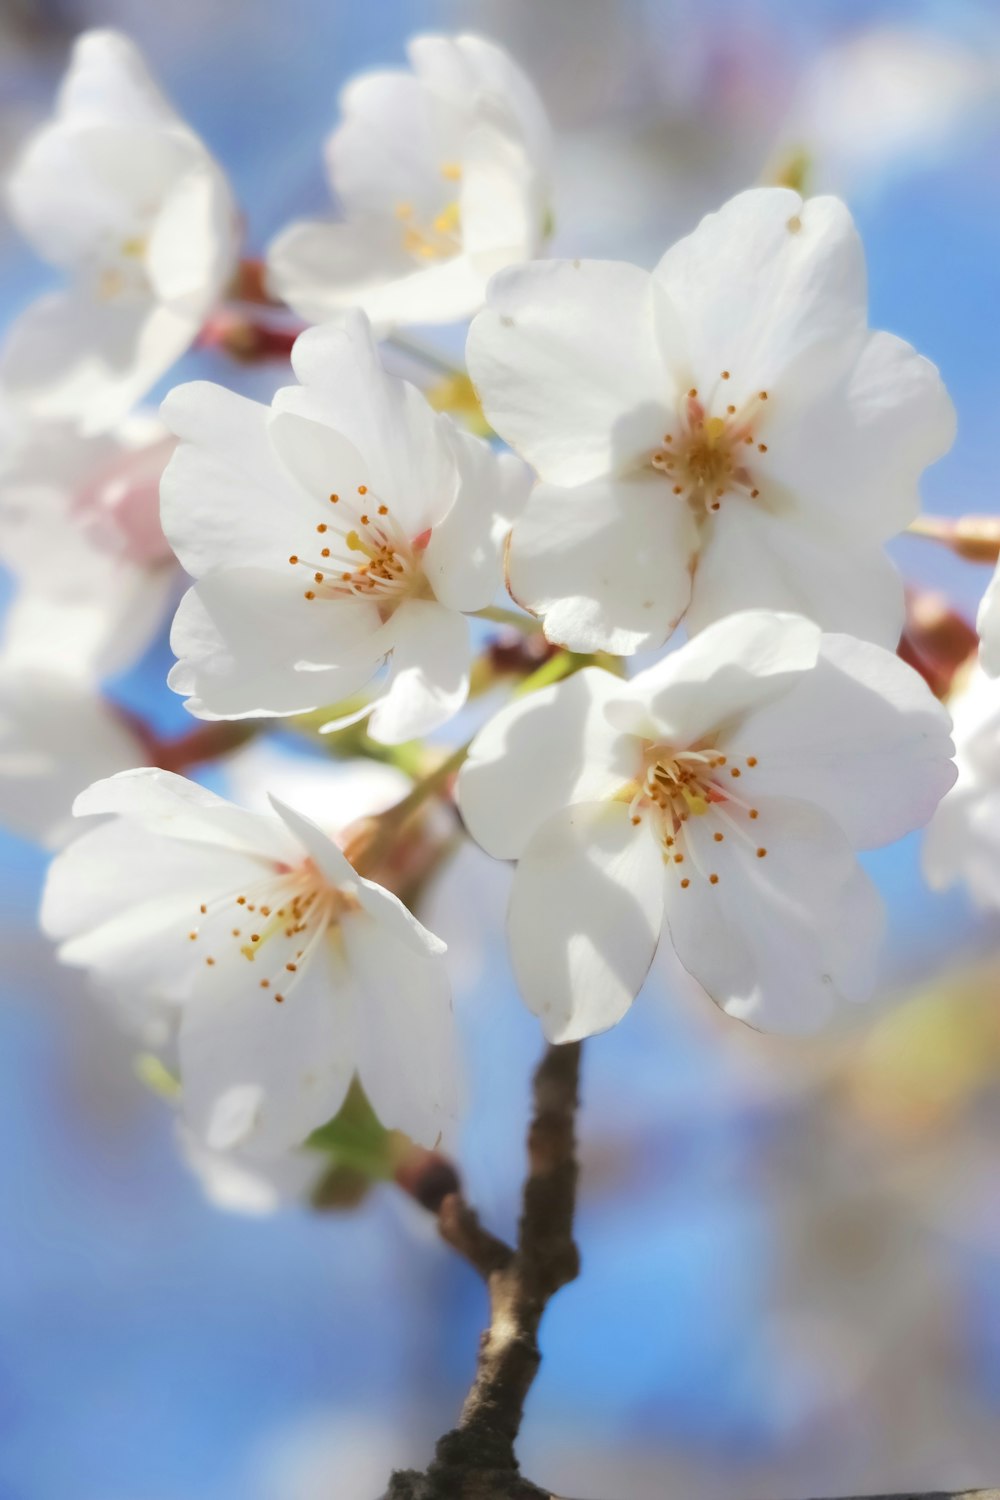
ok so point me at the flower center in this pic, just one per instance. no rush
(441, 237)
(712, 450)
(700, 783)
(364, 554)
(279, 919)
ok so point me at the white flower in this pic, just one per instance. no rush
(347, 524)
(722, 792)
(56, 736)
(443, 176)
(235, 1181)
(80, 531)
(289, 971)
(963, 840)
(120, 194)
(988, 626)
(724, 433)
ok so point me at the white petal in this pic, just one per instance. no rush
(107, 82)
(732, 666)
(227, 500)
(403, 442)
(585, 914)
(853, 458)
(566, 361)
(607, 565)
(407, 1060)
(988, 625)
(38, 779)
(320, 268)
(111, 870)
(248, 642)
(194, 240)
(462, 560)
(767, 286)
(861, 736)
(177, 808)
(429, 672)
(71, 358)
(755, 560)
(503, 198)
(261, 1074)
(779, 940)
(541, 753)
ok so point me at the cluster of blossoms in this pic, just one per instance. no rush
(720, 444)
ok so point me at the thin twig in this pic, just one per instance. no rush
(477, 1460)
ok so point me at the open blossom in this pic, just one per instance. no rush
(721, 793)
(121, 195)
(963, 840)
(80, 531)
(346, 525)
(443, 177)
(723, 433)
(288, 970)
(56, 736)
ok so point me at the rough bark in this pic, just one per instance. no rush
(477, 1459)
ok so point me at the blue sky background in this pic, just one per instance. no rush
(722, 1338)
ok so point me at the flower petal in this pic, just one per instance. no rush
(257, 515)
(854, 458)
(988, 626)
(69, 357)
(607, 565)
(861, 736)
(585, 914)
(566, 361)
(755, 560)
(780, 939)
(731, 667)
(404, 443)
(428, 672)
(167, 804)
(540, 753)
(264, 1075)
(248, 643)
(462, 560)
(770, 288)
(407, 1060)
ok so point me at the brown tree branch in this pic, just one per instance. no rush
(477, 1460)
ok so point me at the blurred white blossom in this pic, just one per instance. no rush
(80, 532)
(123, 197)
(723, 793)
(56, 737)
(442, 173)
(347, 524)
(963, 840)
(288, 970)
(722, 434)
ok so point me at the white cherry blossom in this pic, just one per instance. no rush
(443, 175)
(345, 526)
(963, 840)
(289, 971)
(122, 196)
(80, 532)
(720, 434)
(56, 736)
(721, 794)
